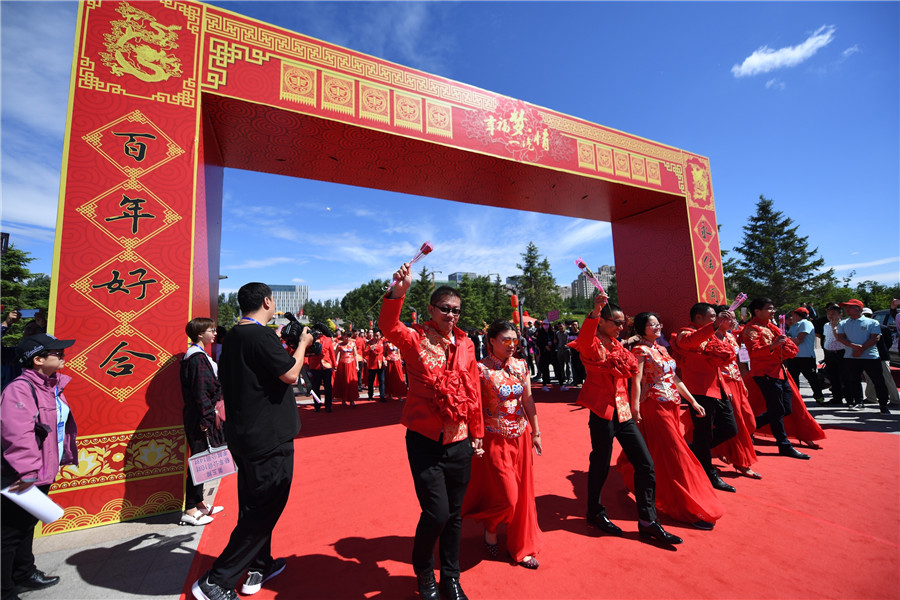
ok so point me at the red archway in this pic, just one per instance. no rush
(165, 95)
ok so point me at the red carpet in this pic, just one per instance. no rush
(824, 528)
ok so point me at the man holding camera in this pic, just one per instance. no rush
(256, 375)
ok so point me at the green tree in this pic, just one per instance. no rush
(229, 309)
(417, 297)
(477, 302)
(536, 285)
(21, 289)
(773, 260)
(363, 304)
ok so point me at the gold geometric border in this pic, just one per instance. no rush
(79, 362)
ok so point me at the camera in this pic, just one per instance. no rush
(291, 333)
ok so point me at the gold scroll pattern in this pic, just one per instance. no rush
(114, 511)
(115, 457)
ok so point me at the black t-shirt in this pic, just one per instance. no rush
(260, 410)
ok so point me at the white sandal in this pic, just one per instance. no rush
(210, 510)
(200, 519)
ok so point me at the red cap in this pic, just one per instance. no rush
(802, 311)
(853, 302)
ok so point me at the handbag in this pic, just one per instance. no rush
(213, 463)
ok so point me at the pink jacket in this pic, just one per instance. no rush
(19, 443)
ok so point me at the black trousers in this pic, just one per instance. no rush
(373, 373)
(319, 377)
(578, 372)
(629, 436)
(807, 367)
(16, 540)
(441, 475)
(715, 427)
(263, 483)
(834, 370)
(777, 394)
(548, 357)
(853, 370)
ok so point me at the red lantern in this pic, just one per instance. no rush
(514, 300)
(415, 317)
(370, 324)
(515, 317)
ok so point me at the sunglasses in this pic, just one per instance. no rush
(510, 342)
(57, 353)
(447, 310)
(616, 323)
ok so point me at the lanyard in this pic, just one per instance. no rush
(252, 319)
(60, 423)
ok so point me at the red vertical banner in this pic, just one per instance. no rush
(123, 275)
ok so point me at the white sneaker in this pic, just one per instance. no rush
(255, 579)
(545, 389)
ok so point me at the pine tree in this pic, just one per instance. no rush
(774, 261)
(537, 287)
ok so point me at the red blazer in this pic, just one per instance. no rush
(444, 390)
(701, 355)
(327, 356)
(608, 367)
(375, 355)
(764, 359)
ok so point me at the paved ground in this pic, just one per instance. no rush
(150, 558)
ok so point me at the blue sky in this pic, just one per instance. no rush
(796, 101)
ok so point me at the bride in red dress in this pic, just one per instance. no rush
(683, 490)
(501, 489)
(345, 381)
(394, 378)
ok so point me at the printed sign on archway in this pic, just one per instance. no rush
(166, 94)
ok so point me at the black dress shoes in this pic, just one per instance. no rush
(717, 483)
(38, 581)
(451, 590)
(792, 452)
(602, 522)
(654, 531)
(427, 586)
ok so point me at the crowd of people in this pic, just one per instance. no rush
(472, 423)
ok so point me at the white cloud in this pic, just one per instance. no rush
(863, 265)
(850, 51)
(774, 83)
(260, 263)
(766, 59)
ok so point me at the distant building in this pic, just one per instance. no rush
(290, 298)
(458, 277)
(583, 288)
(565, 291)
